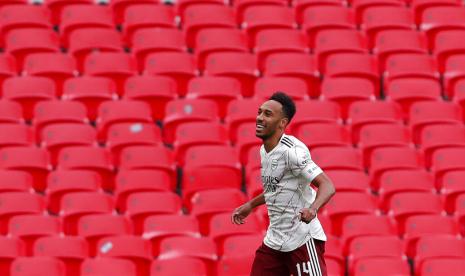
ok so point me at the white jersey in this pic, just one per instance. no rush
(286, 172)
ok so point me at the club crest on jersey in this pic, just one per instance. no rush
(274, 164)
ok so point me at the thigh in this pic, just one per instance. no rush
(269, 262)
(308, 259)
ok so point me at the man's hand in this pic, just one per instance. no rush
(308, 214)
(241, 213)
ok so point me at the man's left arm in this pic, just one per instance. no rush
(325, 191)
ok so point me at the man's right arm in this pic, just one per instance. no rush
(243, 211)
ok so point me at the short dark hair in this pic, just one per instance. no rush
(287, 103)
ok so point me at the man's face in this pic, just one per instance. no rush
(269, 119)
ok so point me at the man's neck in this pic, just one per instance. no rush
(272, 142)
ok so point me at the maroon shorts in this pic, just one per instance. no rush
(305, 260)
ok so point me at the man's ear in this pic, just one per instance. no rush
(284, 122)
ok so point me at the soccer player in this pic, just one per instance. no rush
(294, 242)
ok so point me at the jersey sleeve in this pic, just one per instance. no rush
(301, 163)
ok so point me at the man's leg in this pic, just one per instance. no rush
(308, 259)
(269, 262)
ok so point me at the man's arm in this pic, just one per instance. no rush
(325, 191)
(243, 211)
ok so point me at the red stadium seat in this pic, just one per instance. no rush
(361, 6)
(116, 66)
(221, 228)
(182, 5)
(83, 17)
(219, 40)
(241, 66)
(23, 42)
(402, 66)
(348, 203)
(14, 17)
(436, 137)
(356, 227)
(116, 112)
(393, 42)
(85, 41)
(167, 267)
(88, 158)
(411, 90)
(419, 6)
(364, 113)
(61, 182)
(58, 136)
(364, 248)
(241, 245)
(7, 68)
(10, 112)
(324, 135)
(241, 6)
(404, 205)
(302, 5)
(32, 160)
(184, 111)
(140, 205)
(266, 17)
(443, 266)
(95, 227)
(120, 7)
(143, 157)
(429, 248)
(15, 135)
(240, 112)
(378, 19)
(210, 157)
(144, 16)
(90, 91)
(333, 250)
(437, 19)
(15, 181)
(246, 139)
(159, 227)
(400, 181)
(451, 188)
(23, 266)
(56, 7)
(141, 88)
(446, 160)
(105, 266)
(382, 266)
(196, 134)
(417, 227)
(344, 91)
(10, 249)
(18, 89)
(295, 65)
(428, 113)
(278, 41)
(29, 228)
(353, 65)
(337, 158)
(122, 135)
(454, 72)
(56, 66)
(221, 90)
(71, 250)
(458, 94)
(310, 112)
(75, 205)
(331, 42)
(348, 181)
(53, 112)
(181, 71)
(328, 17)
(294, 87)
(128, 182)
(205, 203)
(156, 40)
(132, 248)
(202, 16)
(235, 266)
(200, 248)
(447, 44)
(385, 159)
